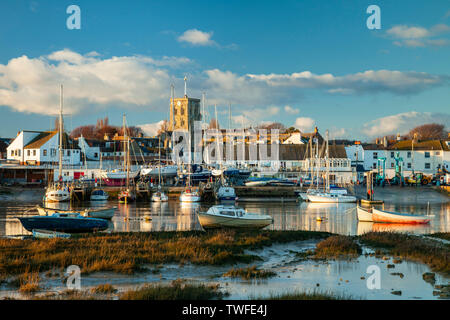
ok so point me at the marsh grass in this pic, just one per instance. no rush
(308, 295)
(249, 273)
(29, 282)
(432, 253)
(104, 289)
(176, 290)
(337, 247)
(127, 253)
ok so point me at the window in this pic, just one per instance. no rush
(28, 153)
(375, 155)
(392, 164)
(437, 153)
(53, 152)
(34, 152)
(44, 152)
(409, 165)
(427, 165)
(392, 154)
(18, 152)
(427, 154)
(68, 153)
(409, 154)
(374, 165)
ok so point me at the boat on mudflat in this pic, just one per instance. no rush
(71, 222)
(364, 214)
(221, 216)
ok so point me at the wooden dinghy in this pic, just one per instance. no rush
(394, 217)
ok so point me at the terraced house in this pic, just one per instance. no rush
(42, 147)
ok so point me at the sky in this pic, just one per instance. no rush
(302, 63)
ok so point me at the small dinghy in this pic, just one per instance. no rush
(232, 217)
(394, 217)
(71, 222)
(47, 234)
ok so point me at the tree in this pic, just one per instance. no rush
(164, 127)
(429, 131)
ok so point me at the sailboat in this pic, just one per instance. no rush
(127, 194)
(159, 196)
(58, 192)
(327, 195)
(99, 194)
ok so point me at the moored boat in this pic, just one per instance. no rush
(225, 193)
(159, 196)
(189, 195)
(104, 213)
(71, 222)
(221, 216)
(99, 195)
(395, 217)
(330, 197)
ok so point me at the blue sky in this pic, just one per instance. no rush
(302, 63)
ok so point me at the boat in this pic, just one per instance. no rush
(165, 171)
(127, 194)
(159, 196)
(47, 234)
(395, 217)
(58, 192)
(327, 195)
(225, 193)
(258, 181)
(105, 213)
(324, 197)
(99, 195)
(189, 195)
(221, 216)
(364, 214)
(70, 222)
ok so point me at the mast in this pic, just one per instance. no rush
(327, 164)
(60, 132)
(159, 167)
(172, 106)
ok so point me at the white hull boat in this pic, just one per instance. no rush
(226, 193)
(57, 194)
(232, 217)
(99, 195)
(330, 197)
(106, 213)
(189, 196)
(394, 217)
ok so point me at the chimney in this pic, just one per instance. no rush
(385, 142)
(415, 138)
(377, 141)
(398, 137)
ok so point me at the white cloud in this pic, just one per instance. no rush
(403, 123)
(290, 110)
(197, 37)
(151, 129)
(406, 32)
(304, 124)
(414, 37)
(338, 133)
(32, 84)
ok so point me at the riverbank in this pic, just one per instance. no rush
(30, 266)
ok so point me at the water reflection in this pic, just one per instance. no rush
(176, 216)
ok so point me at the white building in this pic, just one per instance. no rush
(42, 147)
(427, 157)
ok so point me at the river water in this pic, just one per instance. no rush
(173, 215)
